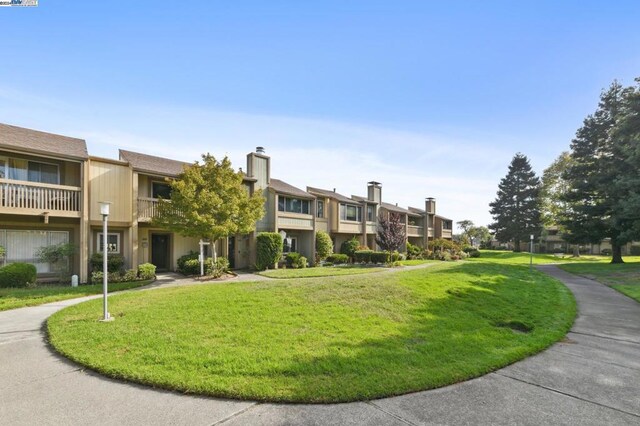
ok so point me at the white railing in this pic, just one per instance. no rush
(147, 208)
(414, 231)
(42, 197)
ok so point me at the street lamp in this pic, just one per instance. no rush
(531, 252)
(104, 211)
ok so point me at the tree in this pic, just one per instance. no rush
(599, 176)
(515, 210)
(479, 235)
(553, 204)
(391, 232)
(58, 256)
(324, 246)
(210, 201)
(465, 225)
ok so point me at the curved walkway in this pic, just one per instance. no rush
(591, 378)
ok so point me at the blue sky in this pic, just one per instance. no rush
(429, 98)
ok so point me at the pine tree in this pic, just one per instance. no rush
(516, 209)
(391, 232)
(599, 174)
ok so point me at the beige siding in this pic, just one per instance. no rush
(110, 182)
(350, 227)
(295, 221)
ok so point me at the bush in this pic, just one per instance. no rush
(380, 257)
(474, 253)
(337, 259)
(190, 267)
(301, 263)
(130, 275)
(291, 259)
(115, 262)
(327, 264)
(182, 264)
(17, 275)
(3, 251)
(146, 271)
(324, 246)
(413, 251)
(362, 256)
(216, 269)
(350, 247)
(396, 257)
(269, 250)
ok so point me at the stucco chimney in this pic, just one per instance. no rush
(374, 191)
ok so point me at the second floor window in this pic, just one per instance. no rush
(370, 214)
(32, 171)
(293, 205)
(160, 190)
(320, 209)
(350, 212)
(446, 224)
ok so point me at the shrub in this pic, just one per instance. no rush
(188, 270)
(396, 257)
(96, 277)
(130, 275)
(474, 253)
(327, 264)
(146, 271)
(301, 262)
(190, 267)
(337, 258)
(350, 247)
(216, 269)
(3, 251)
(324, 246)
(291, 259)
(17, 275)
(115, 262)
(269, 250)
(380, 257)
(363, 256)
(413, 251)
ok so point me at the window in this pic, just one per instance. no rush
(160, 190)
(113, 242)
(320, 209)
(293, 205)
(370, 213)
(350, 212)
(446, 224)
(22, 245)
(32, 171)
(290, 248)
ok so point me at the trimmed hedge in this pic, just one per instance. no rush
(17, 275)
(337, 259)
(295, 260)
(186, 265)
(324, 245)
(115, 262)
(350, 247)
(363, 256)
(269, 250)
(146, 271)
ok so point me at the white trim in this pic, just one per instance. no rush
(109, 234)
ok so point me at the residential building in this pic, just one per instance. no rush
(50, 190)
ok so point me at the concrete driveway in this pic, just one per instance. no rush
(591, 378)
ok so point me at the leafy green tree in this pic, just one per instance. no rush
(516, 209)
(479, 235)
(465, 225)
(209, 200)
(324, 246)
(599, 195)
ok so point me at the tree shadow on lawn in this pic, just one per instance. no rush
(504, 314)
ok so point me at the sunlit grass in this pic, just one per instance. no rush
(323, 271)
(624, 277)
(325, 339)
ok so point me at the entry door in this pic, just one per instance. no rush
(232, 252)
(160, 251)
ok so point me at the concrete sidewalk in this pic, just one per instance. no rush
(592, 378)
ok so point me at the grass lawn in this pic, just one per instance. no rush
(522, 258)
(415, 262)
(624, 277)
(323, 271)
(322, 340)
(12, 298)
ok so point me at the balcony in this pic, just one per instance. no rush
(35, 199)
(147, 209)
(414, 231)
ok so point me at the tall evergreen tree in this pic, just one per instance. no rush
(596, 196)
(516, 209)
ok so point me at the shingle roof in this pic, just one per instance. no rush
(284, 188)
(443, 218)
(330, 194)
(359, 198)
(394, 208)
(416, 210)
(14, 137)
(153, 164)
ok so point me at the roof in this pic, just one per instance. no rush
(284, 188)
(416, 211)
(153, 164)
(394, 208)
(359, 198)
(330, 194)
(443, 218)
(14, 137)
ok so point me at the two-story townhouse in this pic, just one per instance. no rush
(43, 200)
(443, 227)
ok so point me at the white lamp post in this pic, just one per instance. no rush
(531, 252)
(104, 211)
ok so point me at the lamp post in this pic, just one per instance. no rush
(104, 211)
(531, 252)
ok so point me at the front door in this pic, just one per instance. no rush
(160, 251)
(232, 252)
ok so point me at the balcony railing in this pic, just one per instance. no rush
(147, 209)
(33, 198)
(414, 231)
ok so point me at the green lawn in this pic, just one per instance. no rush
(522, 258)
(322, 339)
(12, 298)
(624, 277)
(415, 262)
(324, 271)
